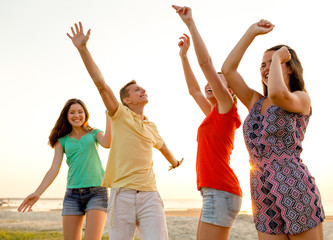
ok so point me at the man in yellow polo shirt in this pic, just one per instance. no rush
(134, 200)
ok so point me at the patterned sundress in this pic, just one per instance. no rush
(285, 198)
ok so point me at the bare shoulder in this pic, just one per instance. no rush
(303, 100)
(256, 96)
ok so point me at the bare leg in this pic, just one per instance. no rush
(316, 233)
(199, 226)
(94, 224)
(210, 231)
(72, 227)
(265, 236)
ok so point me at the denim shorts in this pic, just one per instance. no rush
(219, 207)
(78, 201)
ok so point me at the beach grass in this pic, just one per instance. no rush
(18, 234)
(6, 234)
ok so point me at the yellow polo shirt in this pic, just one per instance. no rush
(130, 163)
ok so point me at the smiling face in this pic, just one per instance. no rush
(209, 92)
(136, 95)
(76, 115)
(265, 68)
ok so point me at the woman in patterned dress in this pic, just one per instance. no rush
(285, 200)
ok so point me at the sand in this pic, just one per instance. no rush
(182, 224)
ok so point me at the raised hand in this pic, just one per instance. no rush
(283, 54)
(184, 45)
(28, 202)
(79, 39)
(262, 27)
(185, 13)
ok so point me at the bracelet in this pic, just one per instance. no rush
(177, 165)
(173, 167)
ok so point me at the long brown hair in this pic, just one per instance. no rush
(62, 126)
(296, 82)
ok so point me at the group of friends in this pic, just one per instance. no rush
(286, 202)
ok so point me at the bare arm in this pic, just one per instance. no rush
(104, 138)
(221, 93)
(49, 177)
(169, 156)
(191, 81)
(80, 40)
(278, 92)
(247, 95)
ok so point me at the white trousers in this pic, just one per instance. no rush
(128, 209)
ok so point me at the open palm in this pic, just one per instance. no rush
(79, 39)
(28, 203)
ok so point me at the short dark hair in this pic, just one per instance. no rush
(124, 91)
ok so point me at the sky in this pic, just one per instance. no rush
(40, 70)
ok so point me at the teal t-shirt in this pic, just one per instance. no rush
(85, 166)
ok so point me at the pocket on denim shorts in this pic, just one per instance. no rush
(234, 204)
(68, 193)
(99, 190)
(96, 199)
(208, 205)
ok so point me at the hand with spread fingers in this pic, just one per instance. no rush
(28, 202)
(79, 39)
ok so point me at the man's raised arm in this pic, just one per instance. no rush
(80, 40)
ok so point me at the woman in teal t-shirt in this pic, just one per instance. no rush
(73, 136)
